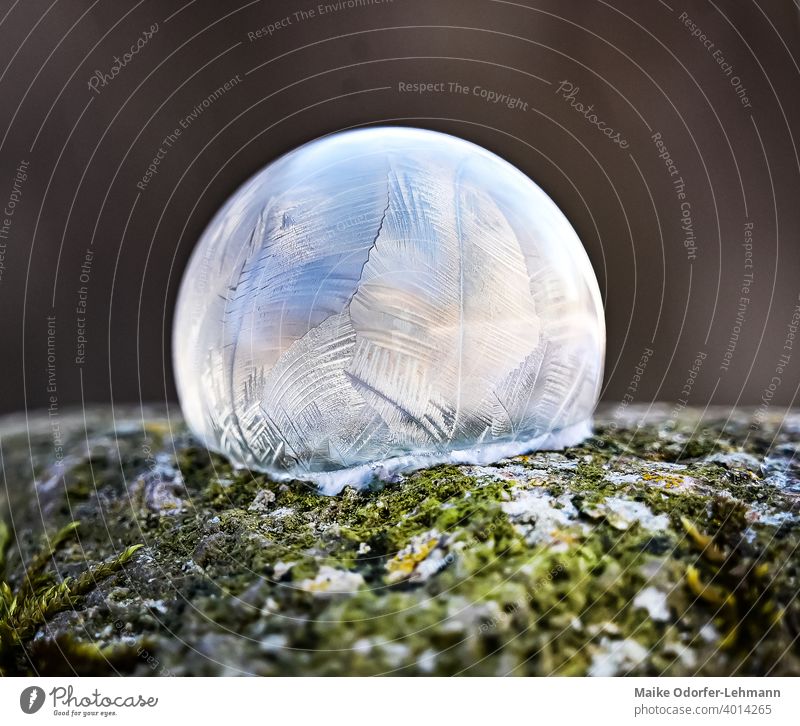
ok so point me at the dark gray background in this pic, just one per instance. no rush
(634, 60)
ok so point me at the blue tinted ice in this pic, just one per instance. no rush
(384, 299)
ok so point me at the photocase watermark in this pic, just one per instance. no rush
(736, 332)
(688, 385)
(784, 358)
(310, 13)
(148, 658)
(52, 392)
(81, 307)
(725, 67)
(510, 609)
(510, 101)
(184, 123)
(630, 392)
(66, 701)
(569, 92)
(10, 209)
(679, 188)
(100, 79)
(747, 245)
(745, 286)
(153, 663)
(633, 386)
(31, 699)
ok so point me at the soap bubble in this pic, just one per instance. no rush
(385, 299)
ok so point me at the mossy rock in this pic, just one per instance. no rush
(665, 544)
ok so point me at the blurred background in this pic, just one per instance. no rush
(667, 132)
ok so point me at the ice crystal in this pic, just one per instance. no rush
(384, 299)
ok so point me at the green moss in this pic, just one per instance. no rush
(67, 656)
(6, 540)
(223, 491)
(734, 579)
(224, 571)
(81, 480)
(554, 606)
(37, 598)
(675, 444)
(589, 475)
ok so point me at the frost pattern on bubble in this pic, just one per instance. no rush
(384, 299)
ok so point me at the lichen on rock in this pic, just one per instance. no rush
(656, 547)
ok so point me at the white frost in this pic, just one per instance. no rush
(655, 602)
(383, 300)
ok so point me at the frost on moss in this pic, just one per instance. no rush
(655, 547)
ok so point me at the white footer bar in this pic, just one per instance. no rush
(402, 701)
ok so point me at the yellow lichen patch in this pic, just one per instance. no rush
(761, 570)
(403, 564)
(332, 581)
(564, 536)
(670, 481)
(157, 428)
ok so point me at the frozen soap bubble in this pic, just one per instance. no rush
(385, 299)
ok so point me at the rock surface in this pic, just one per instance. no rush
(659, 546)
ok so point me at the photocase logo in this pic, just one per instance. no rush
(31, 699)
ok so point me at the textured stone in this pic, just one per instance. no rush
(617, 556)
